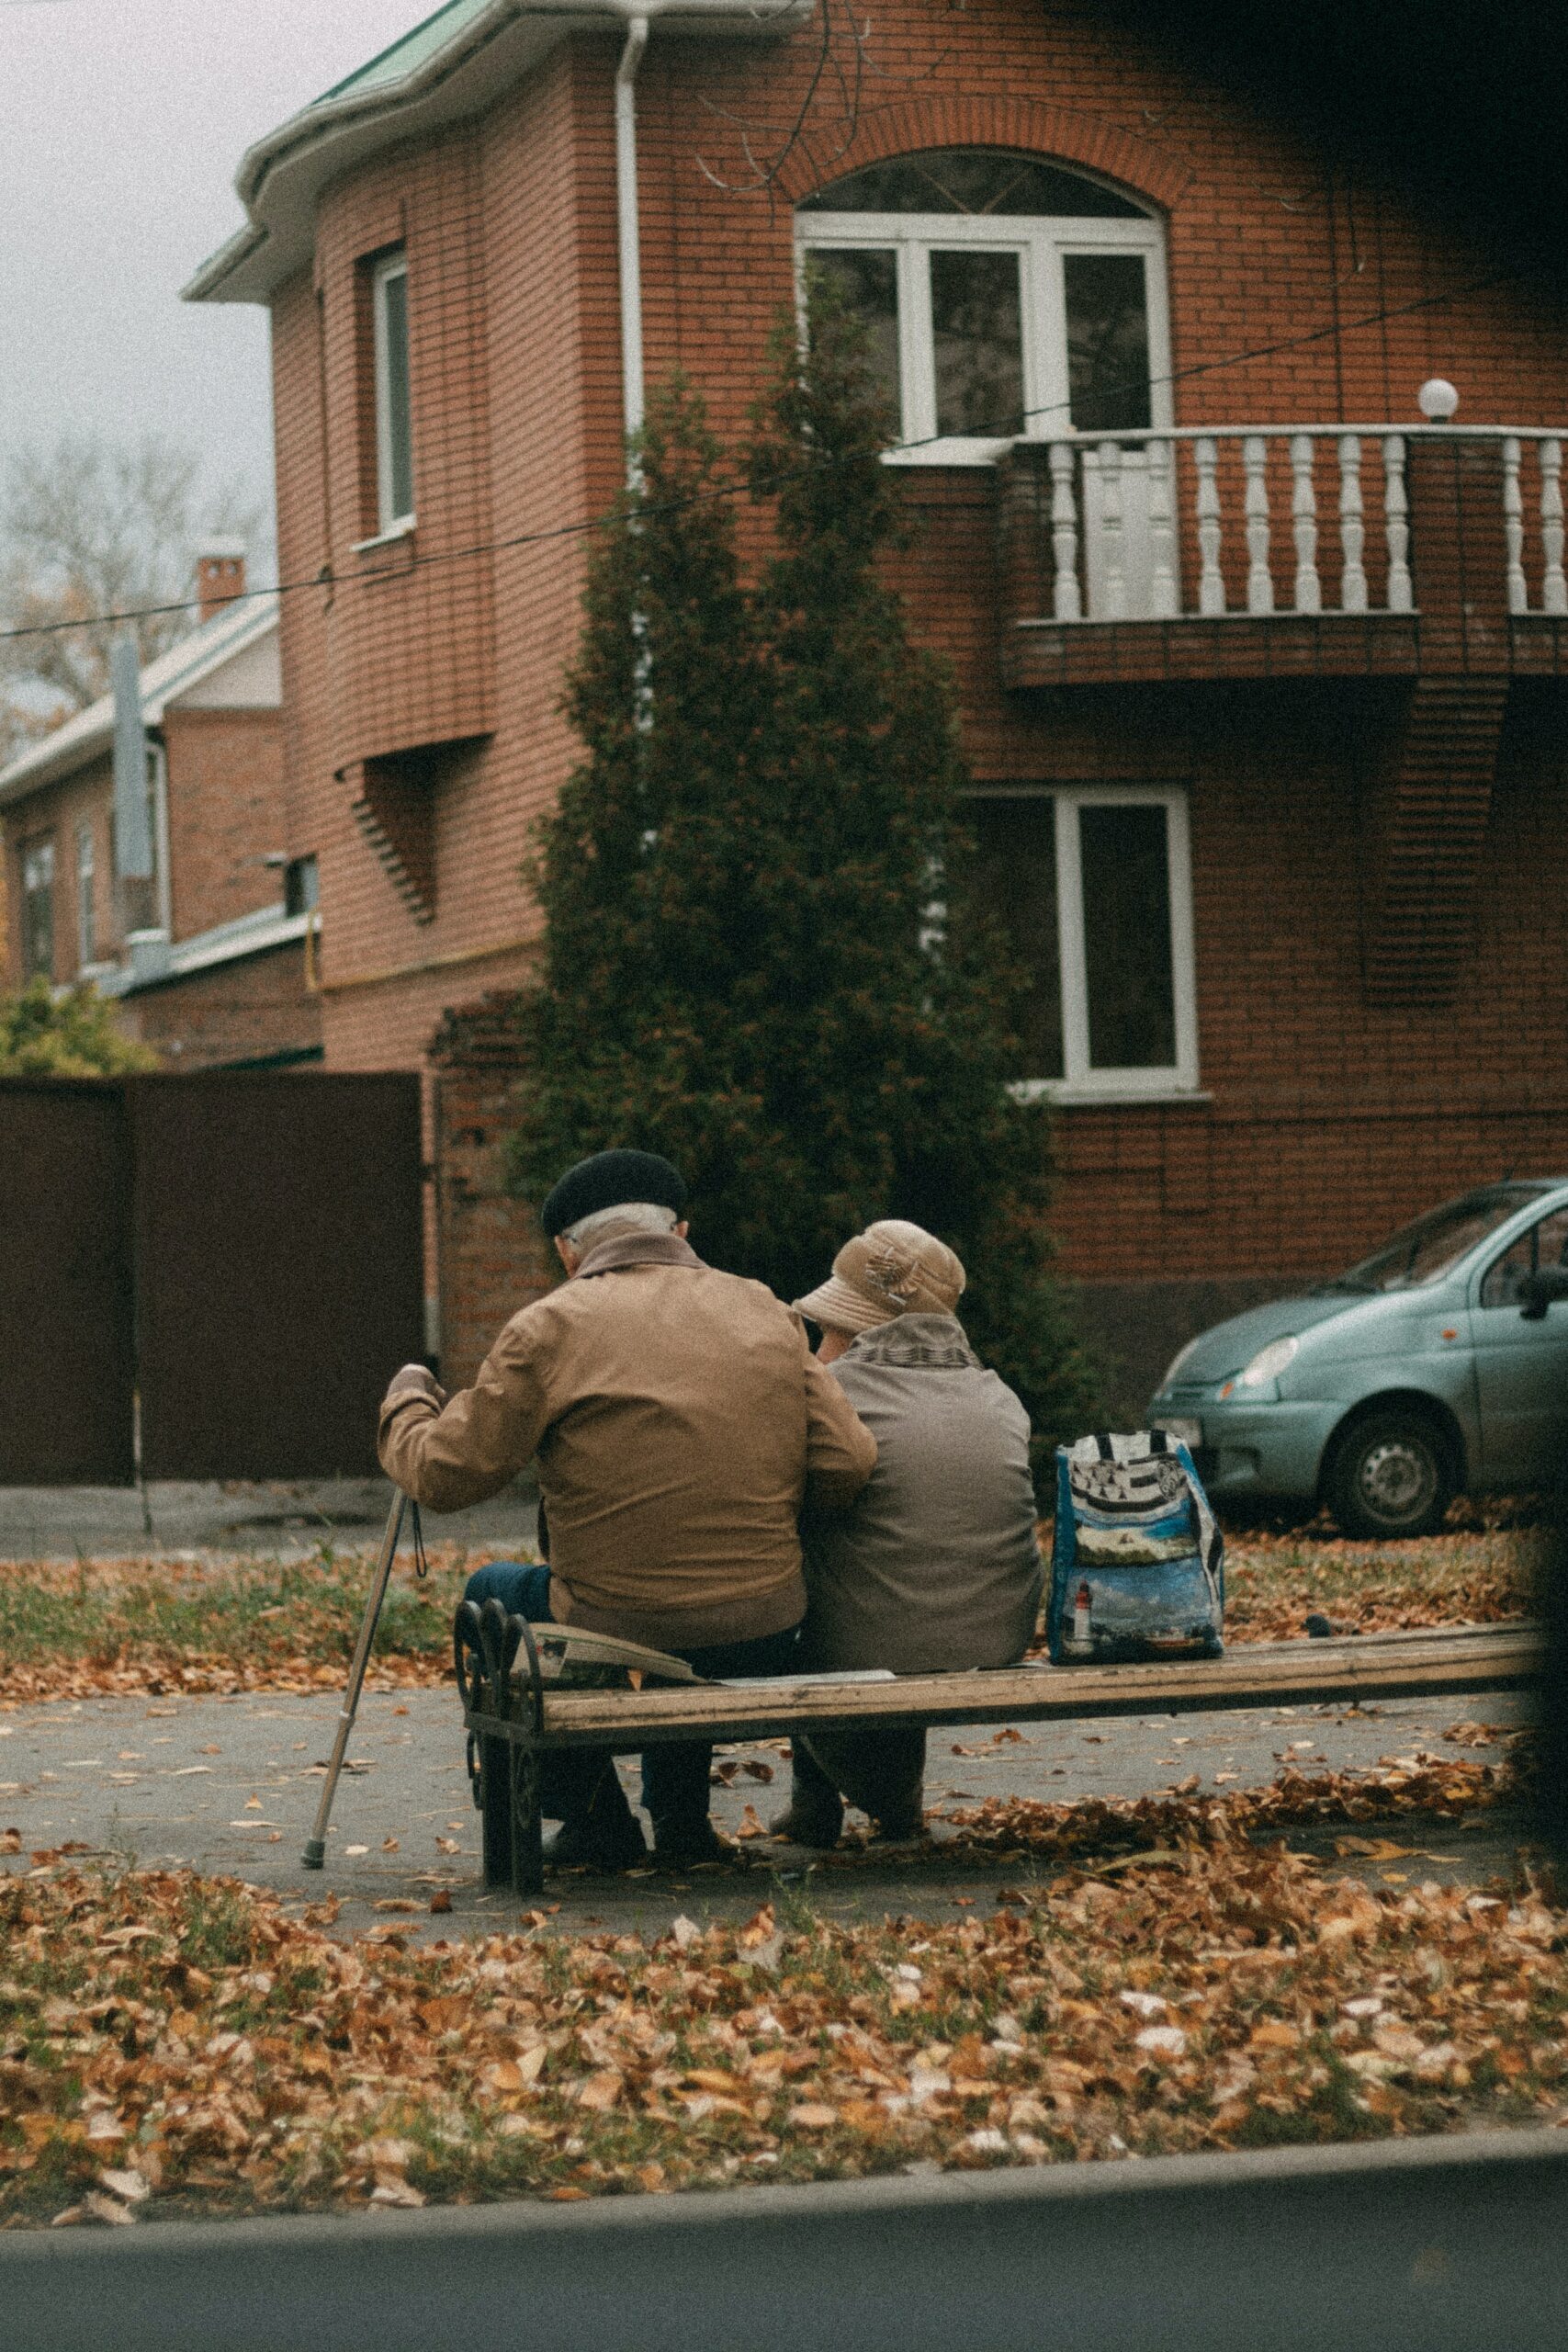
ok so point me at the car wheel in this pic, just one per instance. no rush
(1389, 1475)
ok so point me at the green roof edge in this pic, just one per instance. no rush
(367, 74)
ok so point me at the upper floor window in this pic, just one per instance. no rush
(394, 423)
(86, 913)
(1002, 297)
(1093, 886)
(144, 899)
(38, 909)
(302, 886)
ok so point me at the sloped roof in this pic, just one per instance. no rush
(453, 65)
(401, 56)
(90, 733)
(226, 943)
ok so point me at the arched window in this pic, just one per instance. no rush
(1004, 297)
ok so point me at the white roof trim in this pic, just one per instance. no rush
(89, 733)
(281, 176)
(226, 943)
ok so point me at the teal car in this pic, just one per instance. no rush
(1437, 1367)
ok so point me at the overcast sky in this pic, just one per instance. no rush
(121, 122)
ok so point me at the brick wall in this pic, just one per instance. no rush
(227, 810)
(251, 1009)
(56, 814)
(492, 1256)
(1327, 1115)
(227, 807)
(409, 651)
(510, 200)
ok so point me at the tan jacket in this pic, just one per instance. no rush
(679, 1421)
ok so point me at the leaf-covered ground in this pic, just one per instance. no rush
(1475, 1577)
(170, 2045)
(246, 1623)
(249, 1625)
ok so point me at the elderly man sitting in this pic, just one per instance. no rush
(679, 1423)
(936, 1567)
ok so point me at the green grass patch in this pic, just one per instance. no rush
(239, 1624)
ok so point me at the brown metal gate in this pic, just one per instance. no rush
(279, 1275)
(245, 1247)
(67, 1368)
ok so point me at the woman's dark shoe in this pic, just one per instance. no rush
(809, 1824)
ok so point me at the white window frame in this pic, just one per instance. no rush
(1080, 1081)
(1042, 245)
(158, 819)
(389, 519)
(40, 876)
(86, 897)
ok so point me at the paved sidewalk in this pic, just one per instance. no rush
(276, 1518)
(230, 1785)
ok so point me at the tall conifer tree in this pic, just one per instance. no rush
(757, 958)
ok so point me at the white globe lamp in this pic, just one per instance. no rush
(1437, 400)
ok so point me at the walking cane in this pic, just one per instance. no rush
(315, 1853)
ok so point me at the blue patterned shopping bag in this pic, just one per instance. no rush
(1138, 1563)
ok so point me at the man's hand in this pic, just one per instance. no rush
(414, 1380)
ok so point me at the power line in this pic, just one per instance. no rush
(327, 578)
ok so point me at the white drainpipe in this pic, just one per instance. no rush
(626, 212)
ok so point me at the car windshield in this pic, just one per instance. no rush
(1425, 1250)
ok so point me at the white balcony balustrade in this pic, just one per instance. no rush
(1248, 522)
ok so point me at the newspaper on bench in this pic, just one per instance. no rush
(571, 1658)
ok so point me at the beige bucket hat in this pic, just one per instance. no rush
(893, 1267)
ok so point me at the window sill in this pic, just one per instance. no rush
(951, 451)
(387, 538)
(1106, 1098)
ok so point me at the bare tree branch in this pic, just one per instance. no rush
(839, 37)
(90, 525)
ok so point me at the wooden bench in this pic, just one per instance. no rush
(515, 1720)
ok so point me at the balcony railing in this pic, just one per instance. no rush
(1253, 521)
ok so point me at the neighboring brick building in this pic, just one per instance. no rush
(209, 961)
(1265, 714)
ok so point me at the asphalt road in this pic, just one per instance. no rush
(283, 1518)
(230, 1785)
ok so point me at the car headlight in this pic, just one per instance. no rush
(1268, 1362)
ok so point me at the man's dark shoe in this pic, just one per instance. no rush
(612, 1841)
(809, 1824)
(899, 1828)
(682, 1844)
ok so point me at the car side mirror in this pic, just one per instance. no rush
(1540, 1291)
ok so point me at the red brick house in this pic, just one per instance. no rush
(208, 959)
(1259, 662)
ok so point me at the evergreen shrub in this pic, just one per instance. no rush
(760, 954)
(70, 1036)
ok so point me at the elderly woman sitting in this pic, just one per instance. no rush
(935, 1568)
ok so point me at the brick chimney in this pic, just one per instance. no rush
(220, 575)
